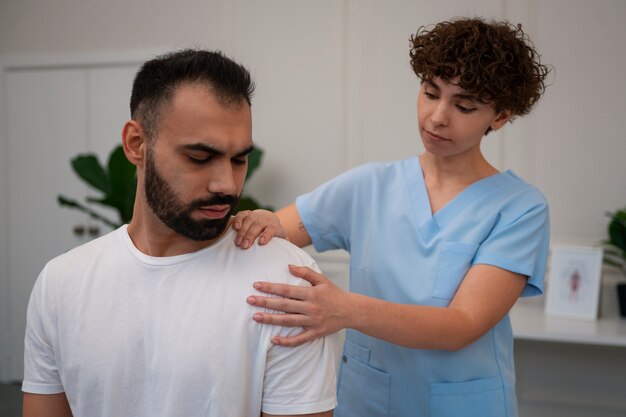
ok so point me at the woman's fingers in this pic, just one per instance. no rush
(238, 219)
(292, 341)
(283, 290)
(261, 224)
(317, 308)
(304, 272)
(284, 320)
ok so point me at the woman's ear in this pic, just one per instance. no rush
(501, 119)
(134, 142)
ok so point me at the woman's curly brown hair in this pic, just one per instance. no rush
(494, 61)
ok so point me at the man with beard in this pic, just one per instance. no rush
(131, 324)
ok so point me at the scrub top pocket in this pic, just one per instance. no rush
(479, 398)
(455, 260)
(363, 390)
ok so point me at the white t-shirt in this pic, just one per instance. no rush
(126, 334)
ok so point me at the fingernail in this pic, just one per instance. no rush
(261, 240)
(238, 241)
(257, 285)
(246, 244)
(257, 317)
(276, 341)
(251, 300)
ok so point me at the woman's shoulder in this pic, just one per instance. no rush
(515, 187)
(370, 171)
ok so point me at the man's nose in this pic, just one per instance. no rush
(222, 180)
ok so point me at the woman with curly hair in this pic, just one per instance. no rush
(441, 245)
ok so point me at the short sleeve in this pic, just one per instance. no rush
(328, 212)
(519, 242)
(41, 375)
(302, 379)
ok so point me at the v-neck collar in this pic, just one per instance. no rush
(429, 223)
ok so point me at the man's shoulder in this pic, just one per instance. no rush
(270, 261)
(279, 249)
(85, 253)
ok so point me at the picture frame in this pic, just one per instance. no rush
(573, 288)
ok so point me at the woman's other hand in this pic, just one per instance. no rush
(261, 224)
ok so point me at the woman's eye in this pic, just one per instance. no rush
(464, 109)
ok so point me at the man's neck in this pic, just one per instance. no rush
(156, 239)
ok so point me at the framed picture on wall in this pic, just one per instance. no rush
(573, 288)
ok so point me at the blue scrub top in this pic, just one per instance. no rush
(401, 252)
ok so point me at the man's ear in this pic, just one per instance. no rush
(501, 119)
(134, 142)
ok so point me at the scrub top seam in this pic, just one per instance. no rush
(497, 359)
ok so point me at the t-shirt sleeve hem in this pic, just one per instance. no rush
(34, 388)
(309, 408)
(533, 287)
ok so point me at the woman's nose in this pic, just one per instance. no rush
(439, 115)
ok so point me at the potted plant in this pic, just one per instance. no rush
(117, 183)
(615, 251)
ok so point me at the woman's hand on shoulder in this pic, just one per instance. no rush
(261, 224)
(321, 309)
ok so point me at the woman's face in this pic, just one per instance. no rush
(451, 120)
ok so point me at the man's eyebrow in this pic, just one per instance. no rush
(214, 151)
(245, 152)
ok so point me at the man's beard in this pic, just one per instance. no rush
(175, 214)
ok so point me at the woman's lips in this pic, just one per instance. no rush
(436, 138)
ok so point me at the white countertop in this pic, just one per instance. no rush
(530, 322)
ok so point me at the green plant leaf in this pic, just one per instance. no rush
(123, 178)
(121, 172)
(67, 202)
(254, 161)
(88, 168)
(124, 204)
(617, 233)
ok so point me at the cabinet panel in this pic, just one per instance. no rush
(45, 113)
(51, 116)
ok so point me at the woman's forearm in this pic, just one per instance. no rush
(412, 326)
(485, 295)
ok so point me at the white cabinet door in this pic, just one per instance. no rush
(51, 116)
(45, 118)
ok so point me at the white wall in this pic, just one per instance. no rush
(335, 90)
(580, 150)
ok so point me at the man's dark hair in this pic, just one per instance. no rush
(158, 78)
(493, 60)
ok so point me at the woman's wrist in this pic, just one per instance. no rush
(357, 312)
